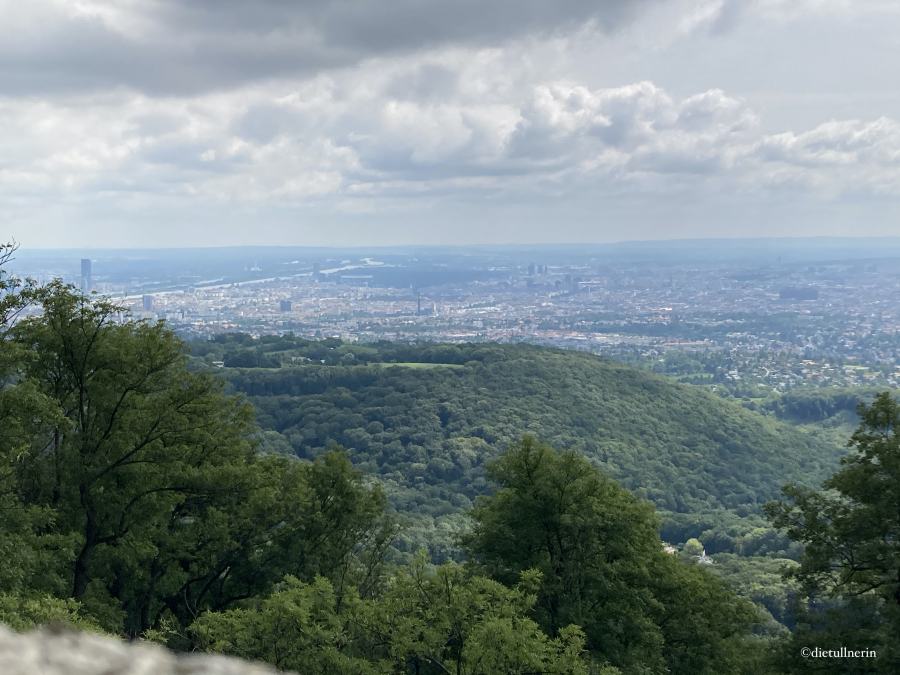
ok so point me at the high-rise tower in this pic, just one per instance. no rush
(87, 280)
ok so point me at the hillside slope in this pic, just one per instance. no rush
(427, 431)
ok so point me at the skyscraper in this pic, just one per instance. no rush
(87, 280)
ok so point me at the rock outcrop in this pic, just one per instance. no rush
(52, 651)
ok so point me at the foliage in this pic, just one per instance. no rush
(850, 568)
(820, 405)
(428, 433)
(705, 626)
(15, 294)
(693, 546)
(32, 559)
(299, 627)
(762, 579)
(602, 564)
(441, 621)
(134, 488)
(23, 613)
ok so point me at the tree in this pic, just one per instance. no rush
(601, 560)
(33, 558)
(693, 546)
(300, 627)
(25, 612)
(426, 622)
(451, 621)
(15, 294)
(139, 436)
(850, 568)
(703, 623)
(147, 472)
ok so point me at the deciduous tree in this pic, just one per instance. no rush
(850, 568)
(600, 557)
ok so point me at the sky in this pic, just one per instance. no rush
(167, 123)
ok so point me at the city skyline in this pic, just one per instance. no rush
(752, 320)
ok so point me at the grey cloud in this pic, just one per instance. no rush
(367, 27)
(190, 46)
(263, 122)
(191, 156)
(157, 123)
(728, 15)
(426, 82)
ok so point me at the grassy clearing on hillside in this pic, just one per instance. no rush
(423, 366)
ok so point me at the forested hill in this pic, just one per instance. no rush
(427, 423)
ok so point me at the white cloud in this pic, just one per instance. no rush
(107, 108)
(344, 136)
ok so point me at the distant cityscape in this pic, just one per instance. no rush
(753, 323)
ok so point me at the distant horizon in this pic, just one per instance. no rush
(504, 245)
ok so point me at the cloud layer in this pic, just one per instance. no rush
(404, 113)
(186, 47)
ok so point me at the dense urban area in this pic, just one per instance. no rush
(759, 320)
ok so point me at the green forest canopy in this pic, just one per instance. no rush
(705, 462)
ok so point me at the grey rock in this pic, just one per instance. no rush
(60, 651)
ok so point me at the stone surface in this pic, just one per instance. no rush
(52, 651)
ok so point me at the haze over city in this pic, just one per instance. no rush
(168, 124)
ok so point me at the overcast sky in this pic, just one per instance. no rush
(333, 122)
